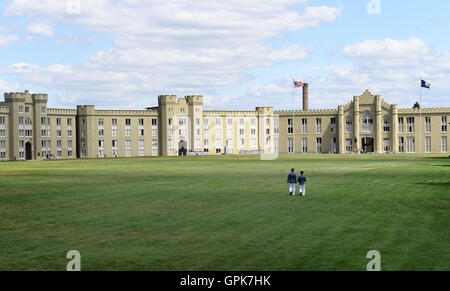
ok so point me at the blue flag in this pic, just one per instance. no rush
(425, 84)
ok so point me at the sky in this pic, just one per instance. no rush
(238, 54)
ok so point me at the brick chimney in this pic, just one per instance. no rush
(305, 96)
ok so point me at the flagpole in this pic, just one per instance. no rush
(293, 118)
(420, 115)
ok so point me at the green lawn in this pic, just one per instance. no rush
(226, 213)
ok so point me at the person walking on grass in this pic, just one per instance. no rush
(301, 184)
(292, 181)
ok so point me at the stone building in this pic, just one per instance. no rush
(31, 131)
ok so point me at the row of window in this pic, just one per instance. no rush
(367, 124)
(411, 144)
(304, 146)
(115, 148)
(27, 109)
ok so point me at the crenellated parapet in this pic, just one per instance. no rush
(61, 111)
(16, 96)
(229, 112)
(39, 98)
(424, 110)
(106, 112)
(307, 113)
(264, 110)
(167, 99)
(194, 99)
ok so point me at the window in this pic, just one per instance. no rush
(141, 132)
(444, 124)
(267, 126)
(318, 125)
(304, 145)
(154, 147)
(319, 145)
(115, 147)
(43, 111)
(100, 127)
(2, 149)
(253, 144)
(141, 127)
(27, 109)
(348, 125)
(141, 122)
(333, 124)
(367, 123)
(128, 148)
(218, 145)
(428, 124)
(141, 148)
(304, 126)
(58, 121)
(444, 148)
(276, 148)
(290, 145)
(127, 122)
(410, 124)
(275, 126)
(401, 145)
(290, 126)
(20, 109)
(101, 148)
(114, 128)
(241, 131)
(128, 128)
(400, 124)
(410, 145)
(333, 146)
(386, 145)
(428, 144)
(349, 145)
(386, 124)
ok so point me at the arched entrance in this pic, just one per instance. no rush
(28, 151)
(182, 148)
(368, 144)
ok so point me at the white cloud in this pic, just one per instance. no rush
(171, 46)
(40, 28)
(7, 39)
(388, 67)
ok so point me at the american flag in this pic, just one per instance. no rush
(298, 84)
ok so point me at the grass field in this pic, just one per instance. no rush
(226, 213)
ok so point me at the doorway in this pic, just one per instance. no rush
(28, 151)
(368, 144)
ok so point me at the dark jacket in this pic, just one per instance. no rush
(292, 178)
(301, 180)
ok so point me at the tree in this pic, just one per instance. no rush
(416, 105)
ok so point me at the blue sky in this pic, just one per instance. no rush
(238, 54)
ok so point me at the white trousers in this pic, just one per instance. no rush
(302, 190)
(292, 188)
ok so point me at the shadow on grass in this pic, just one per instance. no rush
(441, 165)
(435, 184)
(439, 158)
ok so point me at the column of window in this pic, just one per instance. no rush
(154, 127)
(170, 146)
(2, 127)
(290, 126)
(3, 149)
(401, 145)
(141, 127)
(58, 149)
(253, 126)
(290, 145)
(69, 148)
(410, 145)
(128, 148)
(21, 149)
(127, 127)
(197, 129)
(427, 124)
(218, 145)
(241, 127)
(348, 125)
(69, 127)
(101, 131)
(218, 136)
(276, 129)
(48, 127)
(400, 124)
(43, 127)
(386, 124)
(114, 127)
(28, 127)
(58, 127)
(349, 145)
(205, 128)
(21, 127)
(170, 121)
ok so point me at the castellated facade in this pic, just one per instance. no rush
(29, 130)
